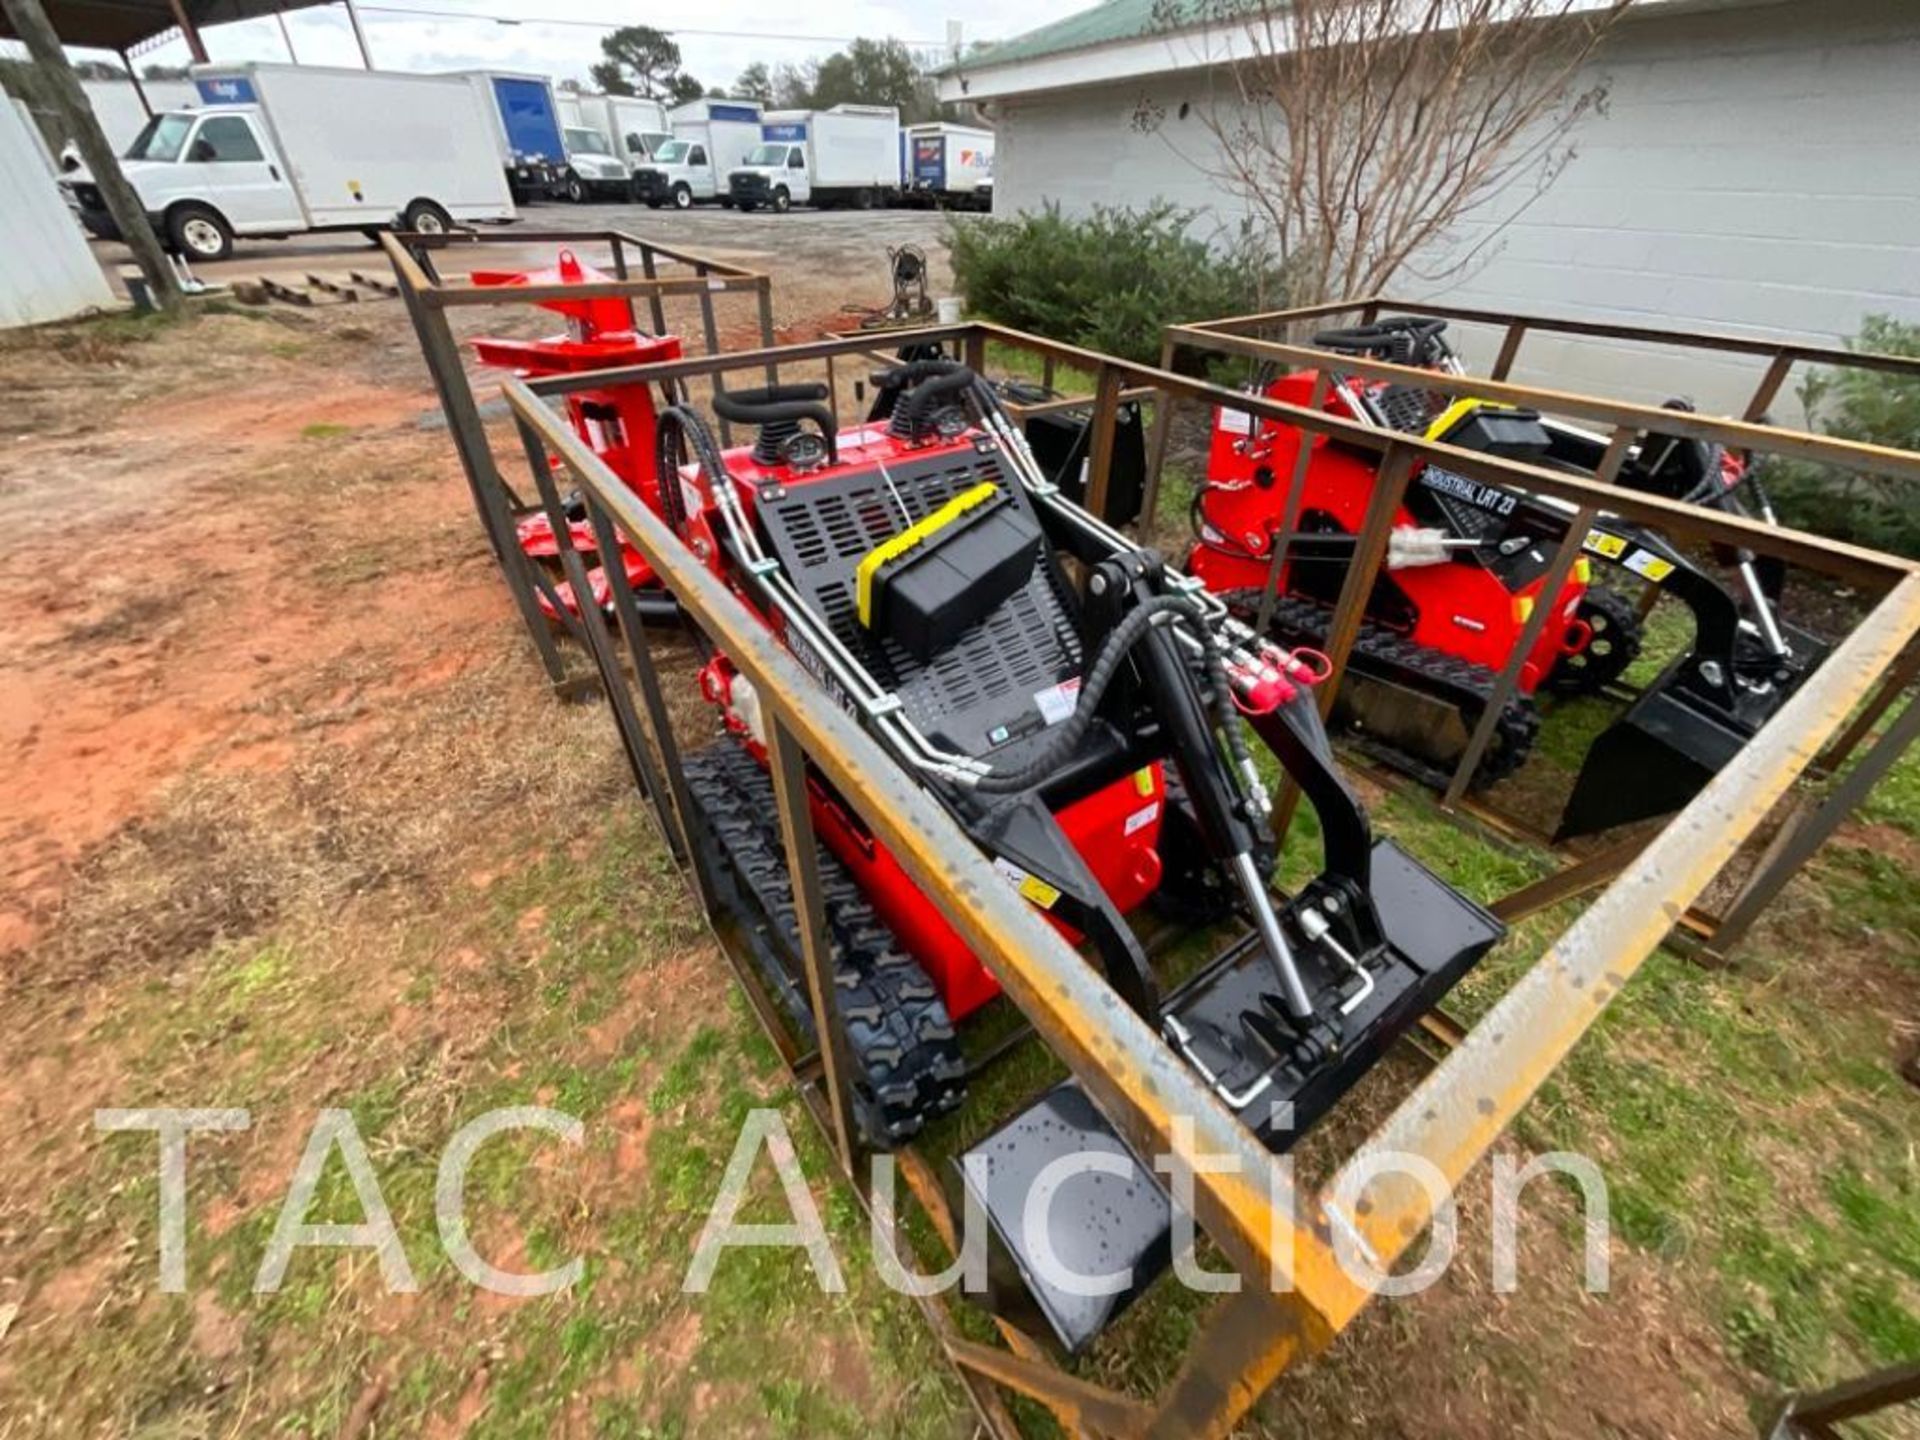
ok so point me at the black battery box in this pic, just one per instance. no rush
(1503, 430)
(926, 585)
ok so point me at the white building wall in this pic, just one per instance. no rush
(1755, 172)
(46, 270)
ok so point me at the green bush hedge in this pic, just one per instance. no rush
(1109, 281)
(1867, 406)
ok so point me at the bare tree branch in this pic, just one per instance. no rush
(1361, 134)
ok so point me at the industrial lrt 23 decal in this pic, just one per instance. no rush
(1623, 552)
(1485, 497)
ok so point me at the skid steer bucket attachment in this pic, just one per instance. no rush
(1680, 732)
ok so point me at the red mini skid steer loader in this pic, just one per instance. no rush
(1089, 740)
(1465, 569)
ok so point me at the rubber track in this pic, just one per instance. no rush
(1300, 620)
(910, 1061)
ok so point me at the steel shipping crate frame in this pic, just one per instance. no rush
(429, 297)
(1264, 1225)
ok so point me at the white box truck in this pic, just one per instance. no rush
(606, 137)
(849, 155)
(277, 150)
(524, 120)
(710, 139)
(947, 165)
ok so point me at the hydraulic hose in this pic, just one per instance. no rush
(1106, 665)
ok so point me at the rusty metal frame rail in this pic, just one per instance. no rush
(1268, 1228)
(1781, 355)
(428, 298)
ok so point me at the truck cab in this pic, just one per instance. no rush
(680, 173)
(203, 177)
(594, 172)
(774, 174)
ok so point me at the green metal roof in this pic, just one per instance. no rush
(1104, 23)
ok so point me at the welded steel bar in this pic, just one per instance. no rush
(593, 625)
(670, 798)
(1369, 551)
(1247, 1342)
(657, 307)
(1569, 882)
(1851, 1400)
(1769, 386)
(1546, 611)
(1106, 415)
(1777, 869)
(1591, 329)
(1124, 1065)
(1719, 430)
(456, 292)
(1083, 1407)
(484, 484)
(1898, 678)
(1290, 510)
(1164, 405)
(1509, 350)
(1350, 610)
(1458, 1111)
(789, 767)
(518, 236)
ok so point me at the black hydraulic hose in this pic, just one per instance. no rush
(777, 403)
(911, 372)
(913, 407)
(1120, 640)
(668, 450)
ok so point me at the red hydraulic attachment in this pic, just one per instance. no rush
(617, 423)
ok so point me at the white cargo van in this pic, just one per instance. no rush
(277, 150)
(849, 155)
(628, 129)
(948, 165)
(710, 138)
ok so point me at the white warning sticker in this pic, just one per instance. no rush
(1057, 702)
(1235, 422)
(1143, 817)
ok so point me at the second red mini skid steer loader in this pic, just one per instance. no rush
(1467, 565)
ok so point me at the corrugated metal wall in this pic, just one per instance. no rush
(46, 270)
(1755, 172)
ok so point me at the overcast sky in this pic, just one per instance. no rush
(448, 39)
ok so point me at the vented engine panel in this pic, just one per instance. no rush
(996, 685)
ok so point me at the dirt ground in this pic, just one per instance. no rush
(291, 820)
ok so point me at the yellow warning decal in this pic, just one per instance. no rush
(1143, 780)
(898, 545)
(1583, 570)
(1650, 567)
(1031, 887)
(1039, 892)
(1601, 543)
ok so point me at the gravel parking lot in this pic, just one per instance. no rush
(823, 258)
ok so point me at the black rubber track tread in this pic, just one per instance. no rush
(1626, 632)
(911, 1066)
(1300, 620)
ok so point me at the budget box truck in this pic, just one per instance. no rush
(278, 150)
(849, 155)
(946, 164)
(710, 139)
(524, 122)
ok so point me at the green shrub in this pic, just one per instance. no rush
(1109, 281)
(1868, 406)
